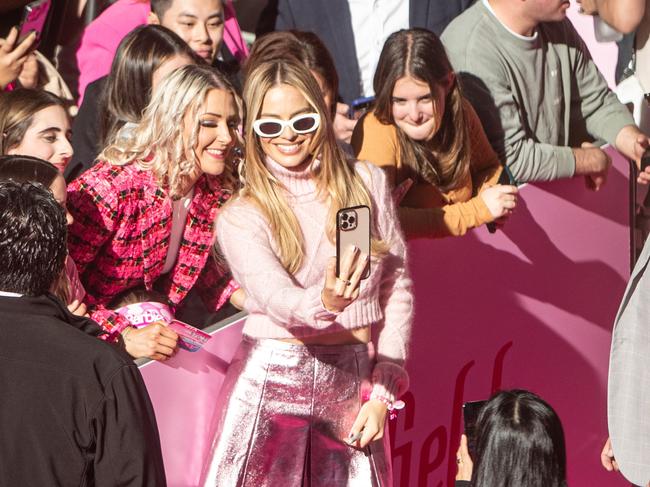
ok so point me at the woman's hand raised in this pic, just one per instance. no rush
(339, 292)
(501, 199)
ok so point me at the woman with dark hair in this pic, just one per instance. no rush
(519, 442)
(27, 169)
(144, 57)
(35, 123)
(429, 140)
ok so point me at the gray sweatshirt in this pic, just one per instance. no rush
(537, 96)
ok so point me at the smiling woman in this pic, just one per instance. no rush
(307, 336)
(35, 123)
(430, 142)
(144, 214)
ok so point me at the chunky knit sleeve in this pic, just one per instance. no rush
(244, 238)
(393, 334)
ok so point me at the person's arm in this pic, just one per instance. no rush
(623, 15)
(488, 89)
(604, 115)
(485, 166)
(127, 442)
(375, 142)
(390, 379)
(244, 238)
(95, 206)
(215, 284)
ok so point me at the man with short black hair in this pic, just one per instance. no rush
(73, 409)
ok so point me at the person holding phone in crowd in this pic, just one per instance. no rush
(430, 142)
(143, 59)
(145, 214)
(519, 441)
(306, 388)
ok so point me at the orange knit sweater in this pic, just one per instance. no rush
(425, 211)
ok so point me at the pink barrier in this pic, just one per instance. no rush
(530, 307)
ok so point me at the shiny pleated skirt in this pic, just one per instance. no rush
(283, 412)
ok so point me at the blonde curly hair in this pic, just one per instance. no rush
(157, 142)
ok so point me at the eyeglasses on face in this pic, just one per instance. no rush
(300, 124)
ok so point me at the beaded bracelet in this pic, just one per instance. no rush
(392, 406)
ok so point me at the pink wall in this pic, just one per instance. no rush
(530, 307)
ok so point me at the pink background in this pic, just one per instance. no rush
(530, 307)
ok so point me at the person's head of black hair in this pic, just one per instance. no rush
(519, 441)
(25, 169)
(33, 233)
(159, 7)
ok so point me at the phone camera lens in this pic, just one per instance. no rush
(344, 217)
(344, 225)
(351, 220)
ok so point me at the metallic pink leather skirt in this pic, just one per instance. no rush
(282, 415)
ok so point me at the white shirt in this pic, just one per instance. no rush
(372, 22)
(518, 36)
(179, 216)
(8, 294)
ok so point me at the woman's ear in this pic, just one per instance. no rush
(153, 19)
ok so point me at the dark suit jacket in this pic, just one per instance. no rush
(330, 20)
(73, 409)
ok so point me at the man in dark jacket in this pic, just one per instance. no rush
(74, 410)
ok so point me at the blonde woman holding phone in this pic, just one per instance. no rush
(322, 358)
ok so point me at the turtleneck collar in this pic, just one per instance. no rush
(299, 184)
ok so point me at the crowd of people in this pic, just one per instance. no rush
(208, 176)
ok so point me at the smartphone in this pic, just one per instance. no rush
(360, 106)
(505, 178)
(471, 410)
(353, 228)
(645, 160)
(33, 19)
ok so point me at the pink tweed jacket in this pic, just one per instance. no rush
(120, 236)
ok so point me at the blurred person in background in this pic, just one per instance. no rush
(145, 56)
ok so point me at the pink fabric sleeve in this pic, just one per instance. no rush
(393, 335)
(232, 35)
(77, 291)
(244, 240)
(102, 37)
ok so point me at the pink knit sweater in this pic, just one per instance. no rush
(284, 306)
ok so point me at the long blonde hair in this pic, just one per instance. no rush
(335, 177)
(157, 144)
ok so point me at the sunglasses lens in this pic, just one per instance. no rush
(304, 124)
(270, 128)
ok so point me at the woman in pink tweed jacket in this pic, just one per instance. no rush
(144, 215)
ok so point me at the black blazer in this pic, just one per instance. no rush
(73, 409)
(331, 21)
